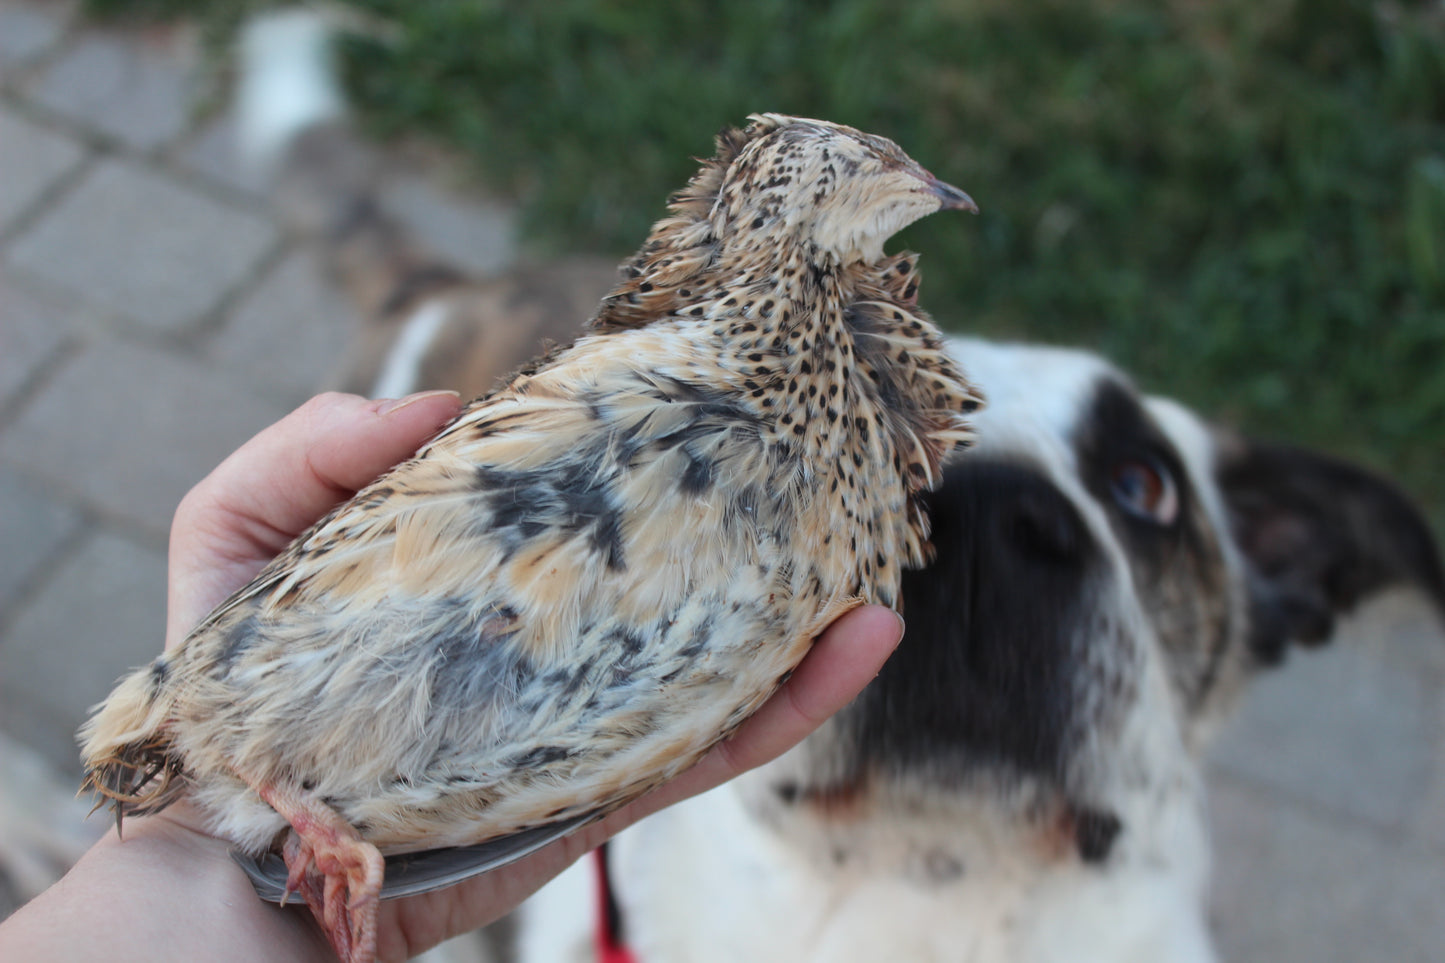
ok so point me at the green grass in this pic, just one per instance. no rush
(1241, 201)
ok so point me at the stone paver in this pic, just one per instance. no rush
(128, 429)
(470, 232)
(28, 30)
(214, 153)
(102, 613)
(46, 828)
(1299, 725)
(32, 529)
(1429, 820)
(32, 160)
(135, 88)
(33, 327)
(1292, 886)
(138, 244)
(290, 333)
(1410, 631)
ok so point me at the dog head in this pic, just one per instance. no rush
(1110, 571)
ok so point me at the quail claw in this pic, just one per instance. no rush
(337, 872)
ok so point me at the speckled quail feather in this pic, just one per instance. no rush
(594, 574)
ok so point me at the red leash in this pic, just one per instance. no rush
(610, 945)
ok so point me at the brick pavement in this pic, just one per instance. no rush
(152, 317)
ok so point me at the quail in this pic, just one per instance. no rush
(591, 575)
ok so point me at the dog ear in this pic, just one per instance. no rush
(1320, 535)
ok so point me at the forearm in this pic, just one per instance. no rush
(164, 893)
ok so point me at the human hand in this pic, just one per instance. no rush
(275, 486)
(225, 530)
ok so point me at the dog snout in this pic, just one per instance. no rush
(996, 523)
(1029, 518)
(985, 673)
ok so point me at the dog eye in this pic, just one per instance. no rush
(1145, 489)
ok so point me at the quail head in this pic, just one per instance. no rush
(593, 574)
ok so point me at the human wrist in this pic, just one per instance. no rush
(106, 906)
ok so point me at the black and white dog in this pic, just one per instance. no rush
(1022, 782)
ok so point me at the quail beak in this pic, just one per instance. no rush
(949, 197)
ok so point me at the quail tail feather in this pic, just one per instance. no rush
(412, 874)
(129, 759)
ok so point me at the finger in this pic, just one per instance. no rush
(293, 472)
(842, 662)
(280, 482)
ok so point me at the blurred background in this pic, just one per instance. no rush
(1242, 202)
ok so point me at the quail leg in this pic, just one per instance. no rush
(333, 868)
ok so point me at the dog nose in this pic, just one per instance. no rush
(1026, 514)
(1007, 519)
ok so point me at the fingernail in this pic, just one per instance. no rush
(391, 405)
(902, 625)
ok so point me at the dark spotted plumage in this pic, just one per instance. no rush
(596, 572)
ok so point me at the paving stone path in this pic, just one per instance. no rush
(153, 316)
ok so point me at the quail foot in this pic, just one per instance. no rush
(590, 576)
